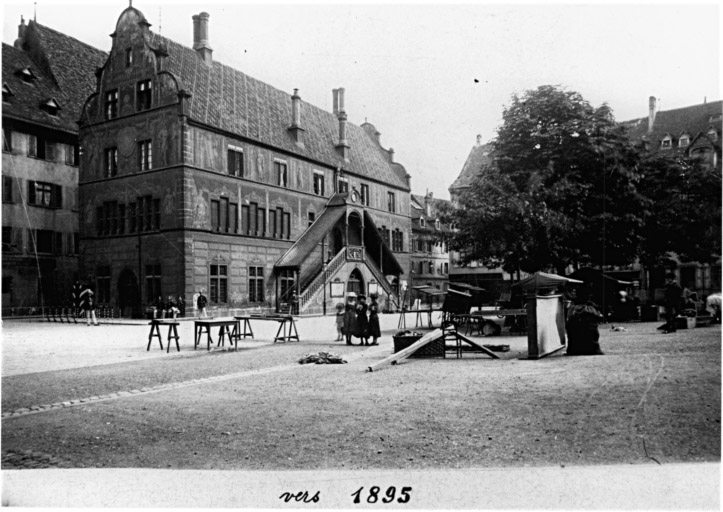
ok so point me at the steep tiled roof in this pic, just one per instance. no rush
(478, 158)
(233, 101)
(72, 64)
(418, 211)
(24, 104)
(64, 69)
(691, 120)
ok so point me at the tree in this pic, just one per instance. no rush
(684, 216)
(562, 189)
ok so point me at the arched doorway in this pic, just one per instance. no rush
(128, 294)
(354, 229)
(355, 283)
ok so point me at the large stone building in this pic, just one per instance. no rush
(46, 77)
(693, 131)
(195, 176)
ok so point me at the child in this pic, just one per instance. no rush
(339, 321)
(349, 322)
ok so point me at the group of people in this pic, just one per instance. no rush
(357, 319)
(170, 308)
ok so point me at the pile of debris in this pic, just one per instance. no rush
(322, 358)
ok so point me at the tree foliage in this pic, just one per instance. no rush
(684, 213)
(562, 189)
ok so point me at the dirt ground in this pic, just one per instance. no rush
(652, 398)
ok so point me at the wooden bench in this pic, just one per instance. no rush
(156, 333)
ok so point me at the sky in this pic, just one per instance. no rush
(432, 76)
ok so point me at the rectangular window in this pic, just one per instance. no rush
(312, 217)
(318, 183)
(156, 214)
(121, 219)
(129, 57)
(145, 155)
(49, 151)
(219, 284)
(153, 283)
(215, 213)
(235, 161)
(256, 284)
(46, 195)
(102, 291)
(233, 218)
(99, 221)
(7, 238)
(32, 146)
(223, 219)
(261, 222)
(343, 185)
(365, 195)
(282, 174)
(251, 228)
(8, 189)
(132, 218)
(111, 104)
(246, 229)
(71, 154)
(44, 239)
(111, 162)
(7, 140)
(446, 268)
(391, 202)
(143, 95)
(287, 226)
(273, 230)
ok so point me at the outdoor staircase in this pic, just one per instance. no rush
(315, 280)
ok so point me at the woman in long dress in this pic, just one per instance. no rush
(362, 322)
(374, 330)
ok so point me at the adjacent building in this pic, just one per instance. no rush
(429, 251)
(695, 132)
(195, 177)
(46, 77)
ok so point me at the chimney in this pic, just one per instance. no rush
(391, 154)
(342, 146)
(335, 97)
(21, 34)
(651, 114)
(200, 37)
(479, 140)
(295, 129)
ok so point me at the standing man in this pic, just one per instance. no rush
(201, 303)
(87, 303)
(673, 295)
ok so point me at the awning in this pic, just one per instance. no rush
(309, 239)
(466, 286)
(544, 280)
(591, 275)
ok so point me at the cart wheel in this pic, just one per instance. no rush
(490, 329)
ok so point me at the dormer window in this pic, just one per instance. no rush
(50, 106)
(111, 104)
(712, 134)
(27, 75)
(684, 140)
(7, 93)
(714, 118)
(422, 222)
(667, 142)
(437, 224)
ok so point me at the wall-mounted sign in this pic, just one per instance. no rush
(337, 289)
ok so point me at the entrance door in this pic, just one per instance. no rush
(128, 296)
(355, 283)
